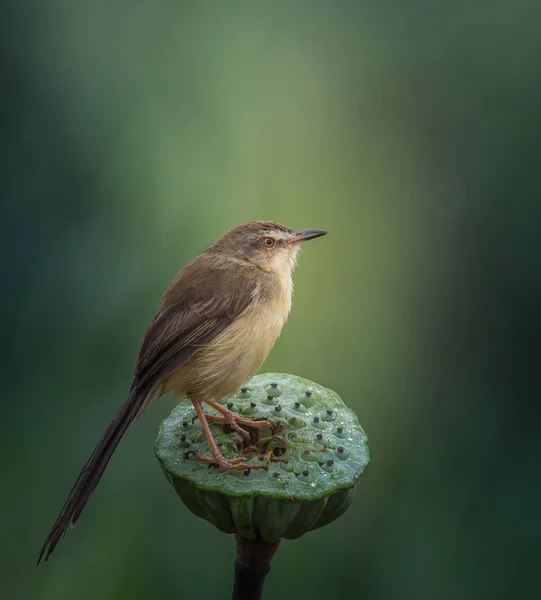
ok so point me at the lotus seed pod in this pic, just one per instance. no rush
(300, 473)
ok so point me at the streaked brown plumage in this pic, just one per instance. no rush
(213, 329)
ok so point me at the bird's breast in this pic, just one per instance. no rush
(236, 353)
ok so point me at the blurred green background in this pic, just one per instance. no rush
(135, 133)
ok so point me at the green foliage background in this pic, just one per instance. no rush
(136, 133)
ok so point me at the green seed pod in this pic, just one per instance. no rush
(296, 478)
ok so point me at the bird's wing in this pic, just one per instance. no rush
(184, 327)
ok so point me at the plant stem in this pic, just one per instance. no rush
(252, 564)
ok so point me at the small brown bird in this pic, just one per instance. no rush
(214, 327)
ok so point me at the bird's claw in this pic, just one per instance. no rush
(220, 461)
(235, 421)
(226, 464)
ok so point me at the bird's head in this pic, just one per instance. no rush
(269, 245)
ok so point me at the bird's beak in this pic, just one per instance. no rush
(306, 234)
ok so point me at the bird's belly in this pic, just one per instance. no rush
(230, 359)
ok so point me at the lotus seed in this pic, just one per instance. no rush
(275, 474)
(299, 407)
(269, 399)
(308, 394)
(330, 462)
(278, 408)
(339, 432)
(247, 472)
(274, 385)
(244, 392)
(316, 419)
(305, 473)
(182, 438)
(319, 436)
(341, 453)
(253, 404)
(230, 405)
(184, 424)
(273, 389)
(329, 415)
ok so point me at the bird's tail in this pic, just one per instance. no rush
(93, 470)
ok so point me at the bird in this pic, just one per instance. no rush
(213, 329)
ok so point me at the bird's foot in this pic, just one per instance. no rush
(250, 423)
(229, 417)
(227, 464)
(233, 420)
(230, 422)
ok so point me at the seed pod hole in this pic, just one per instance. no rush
(318, 423)
(299, 407)
(329, 415)
(309, 456)
(294, 438)
(296, 422)
(328, 466)
(307, 399)
(339, 432)
(285, 465)
(341, 453)
(304, 476)
(274, 390)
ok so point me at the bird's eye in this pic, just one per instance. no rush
(269, 242)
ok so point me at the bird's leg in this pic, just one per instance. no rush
(217, 457)
(235, 421)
